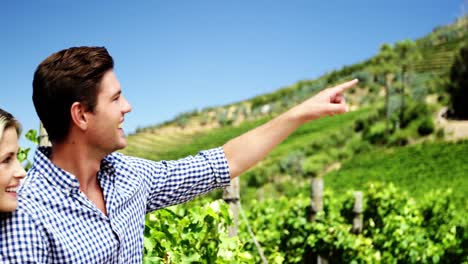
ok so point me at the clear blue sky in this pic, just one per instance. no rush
(176, 56)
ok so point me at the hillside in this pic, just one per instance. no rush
(417, 169)
(395, 146)
(390, 109)
(436, 52)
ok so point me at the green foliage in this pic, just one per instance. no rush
(401, 232)
(306, 135)
(356, 146)
(417, 169)
(346, 72)
(377, 133)
(429, 229)
(182, 121)
(32, 136)
(384, 62)
(261, 100)
(292, 163)
(414, 111)
(313, 165)
(364, 77)
(373, 88)
(191, 235)
(437, 208)
(177, 147)
(458, 87)
(408, 54)
(223, 118)
(259, 176)
(399, 138)
(204, 119)
(426, 126)
(416, 120)
(396, 229)
(440, 133)
(365, 121)
(421, 85)
(23, 154)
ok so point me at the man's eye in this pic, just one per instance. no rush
(7, 160)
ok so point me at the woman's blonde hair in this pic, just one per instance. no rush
(7, 120)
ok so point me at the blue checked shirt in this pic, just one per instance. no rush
(56, 223)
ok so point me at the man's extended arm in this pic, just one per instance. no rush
(247, 149)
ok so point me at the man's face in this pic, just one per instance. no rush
(105, 130)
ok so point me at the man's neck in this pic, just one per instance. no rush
(78, 159)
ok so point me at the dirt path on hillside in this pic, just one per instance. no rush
(454, 129)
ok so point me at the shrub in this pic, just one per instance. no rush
(399, 138)
(396, 229)
(292, 163)
(426, 126)
(376, 134)
(414, 111)
(313, 165)
(440, 133)
(223, 119)
(187, 235)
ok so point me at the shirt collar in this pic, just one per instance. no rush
(56, 175)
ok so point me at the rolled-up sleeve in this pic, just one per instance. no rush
(178, 181)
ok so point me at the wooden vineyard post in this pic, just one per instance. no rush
(316, 197)
(232, 195)
(316, 203)
(357, 220)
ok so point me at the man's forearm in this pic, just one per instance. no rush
(246, 150)
(249, 148)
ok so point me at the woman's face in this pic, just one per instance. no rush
(11, 171)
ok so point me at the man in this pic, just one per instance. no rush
(84, 203)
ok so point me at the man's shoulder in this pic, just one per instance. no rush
(34, 178)
(35, 191)
(117, 158)
(14, 225)
(121, 161)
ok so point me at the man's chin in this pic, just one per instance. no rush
(122, 145)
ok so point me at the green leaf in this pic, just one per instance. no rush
(32, 136)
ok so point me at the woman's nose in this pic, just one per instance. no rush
(19, 170)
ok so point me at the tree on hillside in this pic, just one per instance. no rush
(407, 53)
(458, 87)
(384, 68)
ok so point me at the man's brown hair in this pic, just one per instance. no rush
(68, 76)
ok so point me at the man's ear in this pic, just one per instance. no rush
(79, 115)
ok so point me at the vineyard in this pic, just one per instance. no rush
(388, 150)
(396, 229)
(413, 181)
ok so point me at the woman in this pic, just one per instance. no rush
(11, 171)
